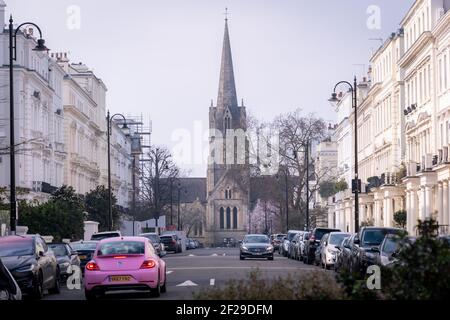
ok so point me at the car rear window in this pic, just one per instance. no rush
(80, 246)
(319, 233)
(336, 239)
(102, 236)
(121, 247)
(374, 237)
(59, 249)
(16, 248)
(166, 239)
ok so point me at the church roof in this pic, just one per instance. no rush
(227, 89)
(192, 189)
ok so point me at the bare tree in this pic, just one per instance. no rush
(192, 215)
(295, 131)
(158, 174)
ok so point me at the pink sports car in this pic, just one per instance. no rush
(124, 263)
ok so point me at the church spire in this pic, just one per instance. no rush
(227, 88)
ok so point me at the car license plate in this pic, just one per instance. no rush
(83, 257)
(120, 278)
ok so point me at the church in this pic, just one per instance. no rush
(224, 196)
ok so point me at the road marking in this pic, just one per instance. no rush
(214, 255)
(249, 268)
(212, 282)
(187, 283)
(191, 255)
(169, 271)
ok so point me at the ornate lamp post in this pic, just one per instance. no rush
(356, 183)
(126, 130)
(13, 57)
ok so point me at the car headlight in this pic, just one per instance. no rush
(26, 268)
(244, 248)
(269, 248)
(370, 256)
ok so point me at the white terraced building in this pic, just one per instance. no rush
(60, 124)
(403, 126)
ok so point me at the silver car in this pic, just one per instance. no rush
(328, 248)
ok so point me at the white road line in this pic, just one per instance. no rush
(169, 271)
(214, 255)
(212, 282)
(187, 283)
(249, 268)
(191, 255)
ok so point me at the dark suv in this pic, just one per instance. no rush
(171, 242)
(365, 249)
(314, 241)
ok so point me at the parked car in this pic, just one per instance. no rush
(32, 265)
(301, 248)
(297, 246)
(229, 242)
(364, 253)
(190, 244)
(286, 242)
(314, 241)
(339, 254)
(256, 246)
(293, 245)
(156, 242)
(85, 251)
(389, 249)
(145, 270)
(106, 234)
(9, 289)
(277, 240)
(328, 250)
(66, 257)
(171, 242)
(318, 253)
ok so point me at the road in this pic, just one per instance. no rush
(194, 270)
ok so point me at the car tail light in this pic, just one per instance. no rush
(148, 264)
(92, 266)
(120, 257)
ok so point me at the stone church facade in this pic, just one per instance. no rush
(227, 185)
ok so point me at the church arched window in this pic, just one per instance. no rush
(235, 218)
(221, 218)
(228, 193)
(227, 122)
(228, 218)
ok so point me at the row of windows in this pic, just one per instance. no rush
(418, 87)
(382, 115)
(225, 218)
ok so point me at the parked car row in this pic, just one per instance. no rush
(192, 244)
(334, 249)
(32, 264)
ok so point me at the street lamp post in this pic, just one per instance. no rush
(356, 184)
(109, 120)
(13, 57)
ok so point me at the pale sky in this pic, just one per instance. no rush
(162, 58)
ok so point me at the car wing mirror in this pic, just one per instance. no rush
(356, 241)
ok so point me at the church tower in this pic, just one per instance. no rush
(228, 170)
